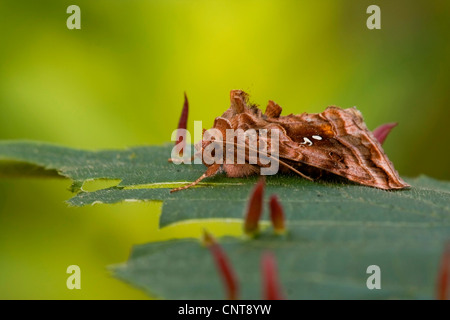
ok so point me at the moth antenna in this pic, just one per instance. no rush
(212, 170)
(277, 215)
(295, 170)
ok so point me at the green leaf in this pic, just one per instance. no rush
(133, 166)
(145, 174)
(336, 229)
(315, 261)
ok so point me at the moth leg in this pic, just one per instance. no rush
(212, 170)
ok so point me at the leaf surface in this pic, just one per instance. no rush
(335, 229)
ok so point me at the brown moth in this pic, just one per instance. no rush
(335, 141)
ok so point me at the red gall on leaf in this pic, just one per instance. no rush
(254, 208)
(271, 284)
(223, 265)
(382, 131)
(182, 124)
(277, 215)
(443, 280)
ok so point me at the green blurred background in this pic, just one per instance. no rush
(119, 82)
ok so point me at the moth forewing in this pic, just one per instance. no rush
(346, 148)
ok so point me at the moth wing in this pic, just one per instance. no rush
(338, 141)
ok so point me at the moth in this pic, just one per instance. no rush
(334, 142)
